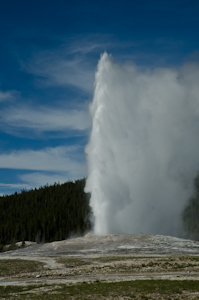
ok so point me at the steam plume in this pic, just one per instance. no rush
(143, 152)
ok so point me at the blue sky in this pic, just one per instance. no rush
(49, 53)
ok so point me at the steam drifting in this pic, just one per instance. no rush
(143, 152)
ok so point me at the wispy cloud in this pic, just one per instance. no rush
(9, 188)
(62, 72)
(37, 179)
(48, 165)
(72, 64)
(57, 159)
(33, 180)
(12, 186)
(6, 96)
(44, 119)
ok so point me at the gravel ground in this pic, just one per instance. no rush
(109, 258)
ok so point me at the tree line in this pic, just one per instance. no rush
(191, 214)
(47, 214)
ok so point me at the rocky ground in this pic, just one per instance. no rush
(111, 258)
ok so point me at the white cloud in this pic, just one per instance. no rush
(72, 64)
(12, 186)
(37, 179)
(6, 96)
(58, 68)
(28, 181)
(44, 119)
(48, 165)
(63, 72)
(58, 159)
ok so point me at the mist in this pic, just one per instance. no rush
(143, 152)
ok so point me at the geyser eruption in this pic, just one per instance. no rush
(143, 152)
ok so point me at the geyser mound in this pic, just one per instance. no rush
(143, 149)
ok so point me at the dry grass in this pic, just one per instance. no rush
(139, 289)
(10, 267)
(131, 264)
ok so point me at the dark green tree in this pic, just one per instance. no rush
(46, 214)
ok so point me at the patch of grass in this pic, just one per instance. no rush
(117, 258)
(192, 258)
(138, 289)
(17, 266)
(78, 261)
(134, 264)
(8, 291)
(143, 287)
(72, 262)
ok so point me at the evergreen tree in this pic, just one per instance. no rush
(46, 214)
